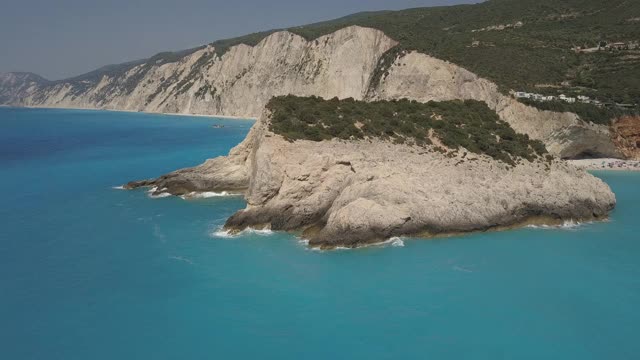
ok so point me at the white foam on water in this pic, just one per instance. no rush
(226, 234)
(305, 243)
(151, 194)
(461, 269)
(193, 195)
(570, 225)
(180, 258)
(207, 194)
(121, 187)
(394, 242)
(221, 233)
(261, 232)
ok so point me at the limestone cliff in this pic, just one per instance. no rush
(342, 64)
(626, 132)
(240, 82)
(350, 193)
(14, 87)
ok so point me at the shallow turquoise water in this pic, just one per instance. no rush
(90, 272)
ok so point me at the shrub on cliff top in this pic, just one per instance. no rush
(457, 124)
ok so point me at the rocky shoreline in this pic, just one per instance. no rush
(607, 164)
(352, 193)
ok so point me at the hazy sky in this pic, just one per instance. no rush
(61, 38)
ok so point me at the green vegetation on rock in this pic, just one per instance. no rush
(468, 124)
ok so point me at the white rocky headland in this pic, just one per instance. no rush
(352, 193)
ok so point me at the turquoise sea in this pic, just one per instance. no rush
(91, 272)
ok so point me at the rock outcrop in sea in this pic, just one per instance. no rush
(355, 192)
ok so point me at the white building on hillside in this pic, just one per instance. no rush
(568, 99)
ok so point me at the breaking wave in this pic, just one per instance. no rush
(194, 195)
(181, 258)
(393, 242)
(160, 195)
(226, 234)
(303, 242)
(570, 225)
(206, 195)
(263, 232)
(396, 242)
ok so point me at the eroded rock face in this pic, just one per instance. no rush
(349, 193)
(626, 132)
(225, 173)
(341, 65)
(240, 82)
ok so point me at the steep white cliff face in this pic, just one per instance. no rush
(341, 65)
(240, 82)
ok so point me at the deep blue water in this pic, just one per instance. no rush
(90, 272)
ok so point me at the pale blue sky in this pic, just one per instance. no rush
(61, 38)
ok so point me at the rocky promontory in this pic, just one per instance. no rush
(349, 173)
